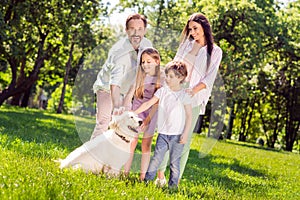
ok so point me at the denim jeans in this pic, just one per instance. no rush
(186, 149)
(163, 144)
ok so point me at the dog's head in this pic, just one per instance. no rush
(126, 124)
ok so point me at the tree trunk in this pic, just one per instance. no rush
(23, 85)
(242, 137)
(292, 130)
(5, 94)
(293, 117)
(263, 123)
(16, 100)
(26, 97)
(274, 136)
(250, 116)
(230, 122)
(242, 133)
(198, 126)
(68, 67)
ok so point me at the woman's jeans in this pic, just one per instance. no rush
(163, 144)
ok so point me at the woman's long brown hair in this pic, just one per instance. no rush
(203, 21)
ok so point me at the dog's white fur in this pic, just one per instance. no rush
(109, 151)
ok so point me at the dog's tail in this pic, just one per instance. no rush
(60, 161)
(63, 163)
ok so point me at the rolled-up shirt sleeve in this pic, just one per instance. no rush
(116, 74)
(119, 61)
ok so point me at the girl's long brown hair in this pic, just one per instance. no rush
(140, 78)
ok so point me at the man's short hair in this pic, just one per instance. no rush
(136, 16)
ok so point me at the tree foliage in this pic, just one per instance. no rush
(36, 39)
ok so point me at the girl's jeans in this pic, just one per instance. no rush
(163, 144)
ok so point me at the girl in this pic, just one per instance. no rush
(203, 57)
(149, 79)
(174, 121)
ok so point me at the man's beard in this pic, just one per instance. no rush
(135, 40)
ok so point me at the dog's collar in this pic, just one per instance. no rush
(122, 137)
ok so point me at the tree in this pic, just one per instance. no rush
(75, 30)
(43, 27)
(288, 83)
(24, 51)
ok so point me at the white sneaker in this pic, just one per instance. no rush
(160, 182)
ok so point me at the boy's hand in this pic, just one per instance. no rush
(183, 139)
(145, 123)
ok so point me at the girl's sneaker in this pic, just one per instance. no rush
(160, 182)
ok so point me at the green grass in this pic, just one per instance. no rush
(31, 139)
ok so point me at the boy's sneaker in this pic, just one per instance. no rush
(173, 188)
(160, 182)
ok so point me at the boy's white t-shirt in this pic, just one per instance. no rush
(171, 113)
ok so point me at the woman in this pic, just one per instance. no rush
(202, 57)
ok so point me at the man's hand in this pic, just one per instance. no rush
(118, 111)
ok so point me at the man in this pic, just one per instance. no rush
(119, 71)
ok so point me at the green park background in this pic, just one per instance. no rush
(55, 49)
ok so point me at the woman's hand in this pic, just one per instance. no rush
(190, 91)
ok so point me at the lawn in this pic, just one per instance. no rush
(30, 141)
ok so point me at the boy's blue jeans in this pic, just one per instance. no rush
(163, 144)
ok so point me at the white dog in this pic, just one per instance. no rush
(109, 151)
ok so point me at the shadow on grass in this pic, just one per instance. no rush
(254, 146)
(219, 171)
(209, 162)
(39, 127)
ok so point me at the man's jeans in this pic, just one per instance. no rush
(163, 144)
